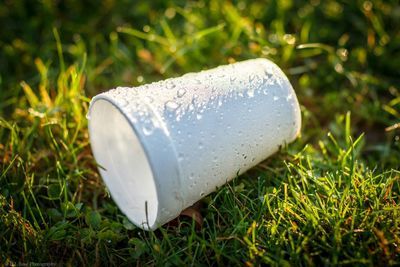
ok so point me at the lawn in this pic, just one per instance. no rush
(330, 198)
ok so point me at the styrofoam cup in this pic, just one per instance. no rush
(163, 146)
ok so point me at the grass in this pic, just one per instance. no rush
(330, 198)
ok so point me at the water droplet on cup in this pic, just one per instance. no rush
(251, 78)
(148, 99)
(181, 92)
(148, 129)
(170, 85)
(122, 102)
(171, 105)
(250, 93)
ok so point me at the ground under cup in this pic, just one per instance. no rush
(165, 145)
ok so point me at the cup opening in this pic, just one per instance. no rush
(123, 163)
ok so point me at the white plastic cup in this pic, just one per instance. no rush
(163, 146)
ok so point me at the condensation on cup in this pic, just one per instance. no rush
(163, 146)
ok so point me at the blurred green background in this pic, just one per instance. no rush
(343, 57)
(353, 56)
